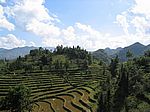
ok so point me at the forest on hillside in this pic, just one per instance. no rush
(72, 74)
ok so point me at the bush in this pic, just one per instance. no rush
(17, 100)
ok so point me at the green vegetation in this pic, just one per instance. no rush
(72, 80)
(17, 100)
(43, 59)
(128, 88)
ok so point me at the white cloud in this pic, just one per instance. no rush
(84, 36)
(69, 33)
(4, 23)
(142, 7)
(53, 42)
(2, 1)
(122, 21)
(88, 29)
(137, 19)
(11, 41)
(48, 33)
(141, 19)
(43, 30)
(140, 24)
(92, 39)
(26, 10)
(34, 17)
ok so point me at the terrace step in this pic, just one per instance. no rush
(76, 101)
(43, 107)
(56, 104)
(68, 99)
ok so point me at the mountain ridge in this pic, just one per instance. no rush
(137, 49)
(105, 55)
(13, 53)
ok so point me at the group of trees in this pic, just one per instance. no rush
(17, 100)
(36, 59)
(72, 53)
(128, 83)
(44, 59)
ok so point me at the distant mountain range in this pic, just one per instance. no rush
(11, 54)
(105, 55)
(137, 49)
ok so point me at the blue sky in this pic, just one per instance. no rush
(95, 12)
(92, 24)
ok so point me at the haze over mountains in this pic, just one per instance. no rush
(106, 54)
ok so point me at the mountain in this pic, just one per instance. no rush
(112, 51)
(11, 54)
(137, 49)
(106, 54)
(102, 55)
(147, 47)
(2, 49)
(15, 52)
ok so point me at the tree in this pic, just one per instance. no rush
(101, 103)
(28, 67)
(57, 65)
(66, 65)
(129, 54)
(33, 52)
(16, 65)
(143, 62)
(113, 66)
(40, 51)
(100, 62)
(17, 100)
(89, 59)
(44, 60)
(122, 91)
(59, 49)
(147, 53)
(85, 65)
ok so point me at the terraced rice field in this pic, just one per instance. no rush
(52, 92)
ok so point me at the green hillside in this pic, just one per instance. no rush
(72, 80)
(101, 55)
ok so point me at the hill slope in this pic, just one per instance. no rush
(112, 51)
(15, 52)
(137, 49)
(102, 55)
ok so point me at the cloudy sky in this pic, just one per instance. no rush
(92, 24)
